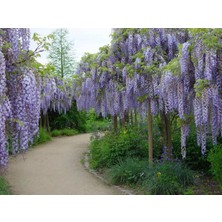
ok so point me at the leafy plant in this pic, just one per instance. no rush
(131, 171)
(43, 137)
(194, 159)
(4, 187)
(72, 119)
(64, 132)
(114, 148)
(168, 178)
(215, 159)
(96, 123)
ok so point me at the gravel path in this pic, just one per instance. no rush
(55, 168)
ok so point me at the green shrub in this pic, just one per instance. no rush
(114, 148)
(96, 123)
(215, 159)
(72, 119)
(168, 178)
(43, 136)
(4, 187)
(131, 171)
(64, 132)
(194, 159)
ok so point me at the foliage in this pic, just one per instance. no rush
(168, 177)
(114, 147)
(26, 88)
(130, 171)
(72, 119)
(4, 187)
(64, 132)
(177, 70)
(194, 159)
(215, 159)
(43, 137)
(61, 54)
(96, 123)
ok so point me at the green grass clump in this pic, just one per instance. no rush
(43, 137)
(64, 132)
(168, 178)
(4, 187)
(131, 171)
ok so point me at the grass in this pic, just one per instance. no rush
(43, 137)
(64, 132)
(4, 187)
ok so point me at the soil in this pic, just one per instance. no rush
(55, 168)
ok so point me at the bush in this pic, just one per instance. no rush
(96, 123)
(4, 187)
(131, 171)
(43, 136)
(168, 178)
(194, 159)
(114, 148)
(64, 132)
(215, 159)
(72, 119)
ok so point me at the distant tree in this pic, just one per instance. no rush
(61, 53)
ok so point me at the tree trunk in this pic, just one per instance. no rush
(126, 118)
(150, 135)
(115, 124)
(167, 135)
(47, 122)
(131, 118)
(40, 120)
(135, 116)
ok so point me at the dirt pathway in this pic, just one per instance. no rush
(55, 168)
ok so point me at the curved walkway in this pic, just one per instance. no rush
(55, 168)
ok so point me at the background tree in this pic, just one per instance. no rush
(61, 54)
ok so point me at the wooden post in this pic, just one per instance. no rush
(150, 135)
(115, 123)
(167, 134)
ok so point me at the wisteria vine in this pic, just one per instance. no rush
(24, 93)
(172, 70)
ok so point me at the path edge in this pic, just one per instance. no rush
(86, 166)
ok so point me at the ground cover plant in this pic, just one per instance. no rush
(4, 187)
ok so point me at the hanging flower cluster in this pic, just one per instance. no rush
(24, 93)
(173, 70)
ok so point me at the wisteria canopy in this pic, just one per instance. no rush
(169, 70)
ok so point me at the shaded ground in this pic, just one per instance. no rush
(205, 185)
(55, 168)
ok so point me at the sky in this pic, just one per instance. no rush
(84, 39)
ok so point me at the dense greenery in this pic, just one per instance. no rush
(95, 123)
(114, 148)
(64, 132)
(168, 177)
(4, 187)
(122, 157)
(215, 158)
(72, 119)
(43, 136)
(130, 171)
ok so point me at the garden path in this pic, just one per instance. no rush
(55, 168)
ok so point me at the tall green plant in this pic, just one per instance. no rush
(215, 158)
(61, 54)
